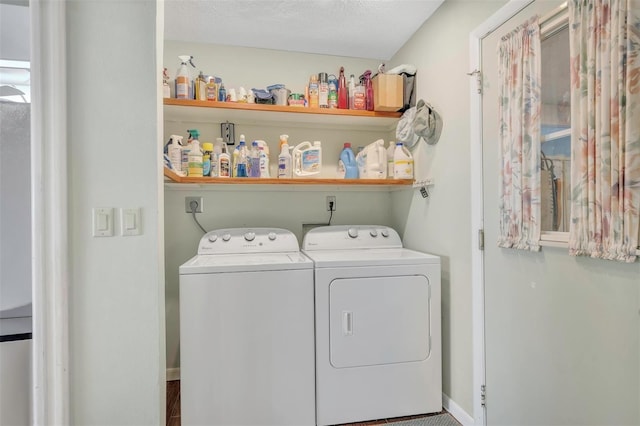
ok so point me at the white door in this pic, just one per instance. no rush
(509, 275)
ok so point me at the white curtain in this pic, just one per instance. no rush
(520, 108)
(605, 128)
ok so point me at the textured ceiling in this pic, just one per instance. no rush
(373, 29)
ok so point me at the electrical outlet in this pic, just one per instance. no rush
(331, 203)
(189, 200)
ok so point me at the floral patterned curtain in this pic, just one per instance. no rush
(519, 110)
(605, 123)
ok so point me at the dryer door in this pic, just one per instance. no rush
(379, 320)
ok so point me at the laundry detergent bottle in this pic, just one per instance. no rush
(347, 166)
(402, 162)
(195, 155)
(307, 160)
(372, 161)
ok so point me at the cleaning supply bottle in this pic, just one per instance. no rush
(307, 160)
(211, 89)
(254, 160)
(195, 154)
(313, 92)
(207, 155)
(242, 160)
(235, 157)
(173, 149)
(323, 90)
(215, 157)
(347, 167)
(183, 78)
(390, 151)
(360, 97)
(368, 86)
(372, 161)
(333, 91)
(201, 87)
(224, 163)
(222, 93)
(342, 90)
(263, 151)
(402, 162)
(284, 159)
(352, 91)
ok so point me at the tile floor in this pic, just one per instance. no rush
(173, 409)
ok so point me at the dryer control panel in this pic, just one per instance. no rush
(341, 237)
(248, 240)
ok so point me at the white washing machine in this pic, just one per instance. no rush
(247, 331)
(378, 341)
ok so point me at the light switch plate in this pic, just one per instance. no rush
(103, 222)
(130, 222)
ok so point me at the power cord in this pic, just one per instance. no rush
(331, 210)
(194, 207)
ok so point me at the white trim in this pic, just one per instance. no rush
(49, 214)
(477, 219)
(173, 374)
(456, 411)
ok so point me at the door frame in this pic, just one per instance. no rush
(477, 219)
(49, 215)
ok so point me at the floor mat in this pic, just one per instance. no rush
(438, 420)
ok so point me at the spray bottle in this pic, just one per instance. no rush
(368, 86)
(342, 90)
(173, 150)
(284, 159)
(184, 82)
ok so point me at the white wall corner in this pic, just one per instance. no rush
(456, 411)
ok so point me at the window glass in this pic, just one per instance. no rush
(556, 132)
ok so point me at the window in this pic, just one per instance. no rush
(556, 131)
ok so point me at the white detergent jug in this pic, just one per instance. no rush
(372, 161)
(402, 162)
(307, 160)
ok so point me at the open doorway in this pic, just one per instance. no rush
(15, 217)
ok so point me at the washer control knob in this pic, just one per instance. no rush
(250, 236)
(385, 233)
(373, 233)
(213, 238)
(353, 232)
(226, 237)
(272, 236)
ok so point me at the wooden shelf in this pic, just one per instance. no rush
(188, 110)
(271, 181)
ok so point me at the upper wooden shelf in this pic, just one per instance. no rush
(295, 181)
(199, 111)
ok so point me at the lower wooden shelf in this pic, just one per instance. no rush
(296, 181)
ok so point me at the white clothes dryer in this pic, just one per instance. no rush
(247, 330)
(378, 337)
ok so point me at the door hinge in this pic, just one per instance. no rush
(478, 75)
(483, 395)
(480, 239)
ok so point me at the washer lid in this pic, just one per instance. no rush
(370, 257)
(207, 264)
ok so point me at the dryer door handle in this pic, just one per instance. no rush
(347, 323)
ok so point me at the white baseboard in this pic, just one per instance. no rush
(173, 374)
(456, 411)
(447, 403)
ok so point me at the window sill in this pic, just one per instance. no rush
(560, 240)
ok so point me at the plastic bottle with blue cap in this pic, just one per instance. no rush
(347, 166)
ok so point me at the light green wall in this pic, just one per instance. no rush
(116, 298)
(441, 223)
(284, 207)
